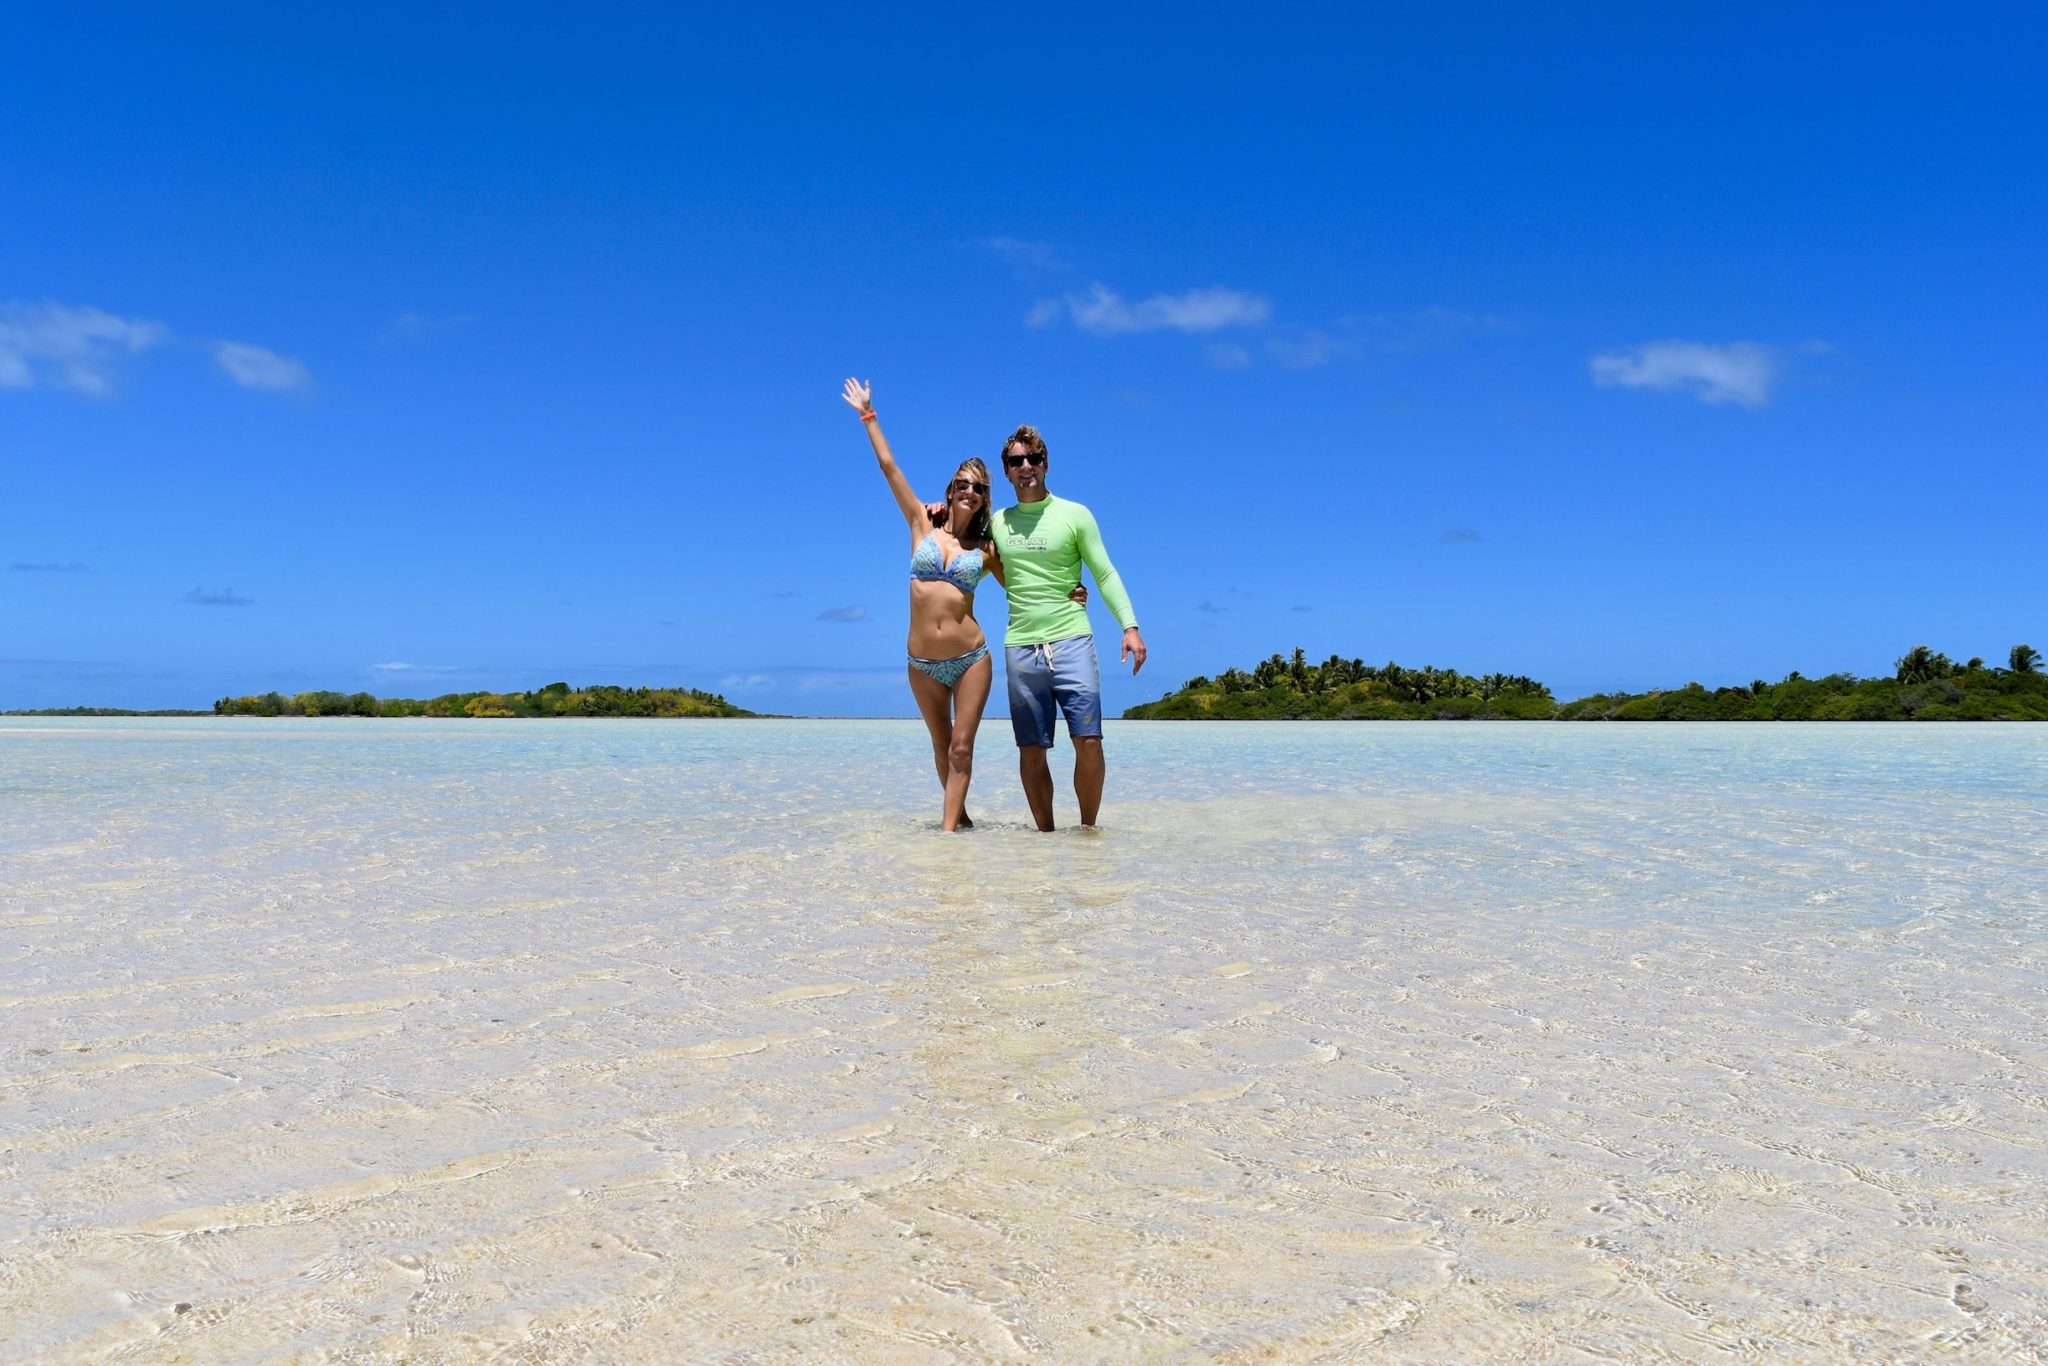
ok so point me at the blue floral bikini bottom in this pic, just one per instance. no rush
(949, 671)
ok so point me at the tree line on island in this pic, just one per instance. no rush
(556, 699)
(1925, 686)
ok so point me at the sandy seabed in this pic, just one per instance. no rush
(532, 1041)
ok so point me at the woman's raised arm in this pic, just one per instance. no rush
(861, 397)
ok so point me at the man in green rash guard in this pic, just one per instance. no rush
(1048, 649)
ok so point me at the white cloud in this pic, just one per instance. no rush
(68, 348)
(1738, 372)
(1106, 313)
(253, 367)
(856, 612)
(58, 346)
(1227, 355)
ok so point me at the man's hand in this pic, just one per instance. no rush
(1134, 649)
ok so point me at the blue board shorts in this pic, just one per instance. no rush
(1059, 675)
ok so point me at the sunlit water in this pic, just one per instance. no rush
(697, 1040)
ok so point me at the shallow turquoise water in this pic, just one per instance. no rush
(445, 1038)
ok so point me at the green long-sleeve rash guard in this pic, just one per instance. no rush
(1044, 545)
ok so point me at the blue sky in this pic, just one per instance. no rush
(425, 348)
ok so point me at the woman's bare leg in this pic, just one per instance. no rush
(935, 704)
(970, 696)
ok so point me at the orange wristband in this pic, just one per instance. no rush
(869, 415)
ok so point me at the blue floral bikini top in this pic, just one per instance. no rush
(928, 562)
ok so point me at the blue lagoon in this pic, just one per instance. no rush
(434, 1040)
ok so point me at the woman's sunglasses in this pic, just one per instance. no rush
(1011, 462)
(959, 484)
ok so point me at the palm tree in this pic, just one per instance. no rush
(2025, 659)
(1922, 665)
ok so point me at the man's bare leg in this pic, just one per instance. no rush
(1088, 771)
(1037, 775)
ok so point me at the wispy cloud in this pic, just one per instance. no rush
(1105, 313)
(1458, 536)
(431, 677)
(856, 612)
(61, 346)
(1425, 329)
(1736, 372)
(226, 597)
(24, 567)
(254, 367)
(410, 324)
(1301, 607)
(1023, 256)
(57, 346)
(1207, 606)
(1306, 348)
(785, 593)
(1363, 335)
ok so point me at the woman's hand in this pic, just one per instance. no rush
(860, 396)
(1080, 594)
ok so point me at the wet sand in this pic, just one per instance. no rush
(528, 1041)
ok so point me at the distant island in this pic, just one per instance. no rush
(1925, 686)
(101, 711)
(556, 699)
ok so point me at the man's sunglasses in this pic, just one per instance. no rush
(959, 484)
(1011, 462)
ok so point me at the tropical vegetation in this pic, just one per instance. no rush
(1339, 689)
(1925, 685)
(556, 699)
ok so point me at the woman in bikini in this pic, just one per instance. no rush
(950, 551)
